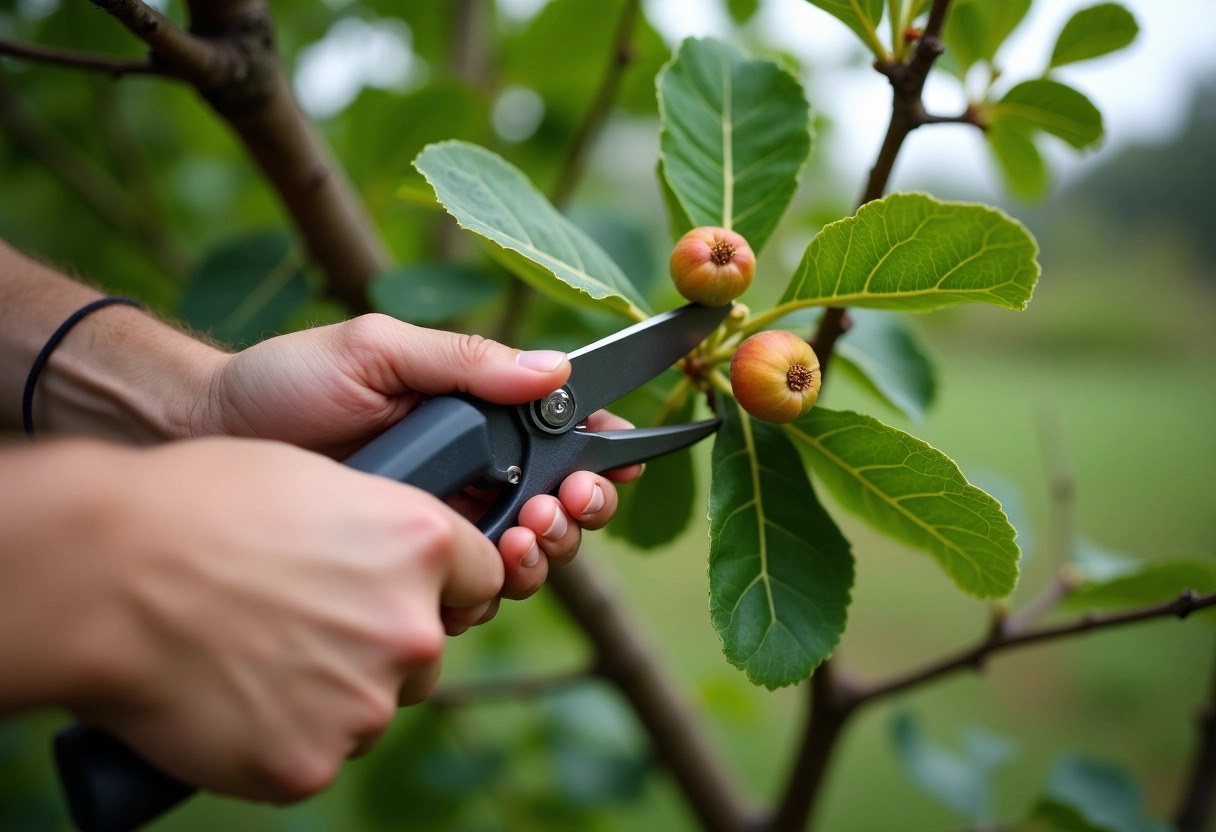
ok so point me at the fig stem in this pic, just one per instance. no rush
(676, 398)
(759, 322)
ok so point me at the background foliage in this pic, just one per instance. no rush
(1106, 379)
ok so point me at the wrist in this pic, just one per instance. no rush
(128, 376)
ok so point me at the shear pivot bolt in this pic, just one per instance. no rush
(557, 409)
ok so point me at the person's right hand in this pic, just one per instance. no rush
(267, 609)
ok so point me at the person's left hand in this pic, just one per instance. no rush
(332, 389)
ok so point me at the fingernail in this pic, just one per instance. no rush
(557, 529)
(596, 502)
(531, 558)
(542, 361)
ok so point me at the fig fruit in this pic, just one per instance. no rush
(712, 266)
(775, 376)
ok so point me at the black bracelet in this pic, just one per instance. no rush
(27, 400)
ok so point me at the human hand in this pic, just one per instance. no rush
(334, 388)
(258, 612)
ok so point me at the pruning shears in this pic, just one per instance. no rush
(444, 445)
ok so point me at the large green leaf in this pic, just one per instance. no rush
(975, 29)
(1086, 795)
(914, 493)
(1018, 158)
(491, 197)
(1052, 107)
(735, 132)
(779, 570)
(883, 352)
(961, 779)
(862, 16)
(655, 509)
(247, 288)
(913, 252)
(1098, 30)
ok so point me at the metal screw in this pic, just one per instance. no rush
(557, 409)
(514, 475)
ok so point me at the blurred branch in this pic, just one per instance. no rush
(624, 658)
(1198, 802)
(522, 687)
(601, 106)
(124, 147)
(82, 175)
(1006, 638)
(83, 60)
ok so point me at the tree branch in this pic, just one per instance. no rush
(116, 67)
(907, 113)
(1198, 802)
(204, 62)
(831, 704)
(1004, 638)
(624, 658)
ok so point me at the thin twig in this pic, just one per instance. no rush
(601, 105)
(823, 730)
(1197, 805)
(206, 62)
(521, 687)
(1005, 639)
(116, 67)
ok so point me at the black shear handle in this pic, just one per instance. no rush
(441, 447)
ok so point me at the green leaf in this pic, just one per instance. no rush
(975, 29)
(882, 352)
(914, 493)
(491, 197)
(1109, 581)
(1052, 107)
(913, 252)
(1098, 30)
(862, 16)
(1018, 159)
(1086, 795)
(959, 780)
(431, 293)
(734, 135)
(657, 507)
(247, 288)
(779, 570)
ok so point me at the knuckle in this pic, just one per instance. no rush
(376, 714)
(475, 349)
(433, 536)
(293, 777)
(361, 334)
(417, 641)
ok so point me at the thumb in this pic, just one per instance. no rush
(435, 362)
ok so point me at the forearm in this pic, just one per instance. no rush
(119, 373)
(60, 555)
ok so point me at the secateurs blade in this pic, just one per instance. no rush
(450, 442)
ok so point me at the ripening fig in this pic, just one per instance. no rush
(775, 376)
(712, 266)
